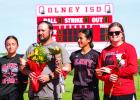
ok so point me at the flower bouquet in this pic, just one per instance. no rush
(119, 61)
(37, 60)
(56, 52)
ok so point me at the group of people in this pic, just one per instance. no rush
(115, 65)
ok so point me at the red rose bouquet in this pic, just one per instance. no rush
(37, 60)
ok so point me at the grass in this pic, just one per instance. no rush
(69, 88)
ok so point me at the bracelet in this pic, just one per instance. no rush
(50, 77)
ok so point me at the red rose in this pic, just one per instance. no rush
(124, 56)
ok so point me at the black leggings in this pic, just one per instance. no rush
(123, 97)
(11, 96)
(44, 98)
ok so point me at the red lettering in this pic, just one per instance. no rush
(56, 11)
(77, 9)
(91, 9)
(49, 10)
(86, 9)
(70, 10)
(98, 9)
(63, 10)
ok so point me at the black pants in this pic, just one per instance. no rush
(11, 96)
(85, 93)
(124, 97)
(21, 89)
(43, 98)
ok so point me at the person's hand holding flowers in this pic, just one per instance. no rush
(59, 70)
(118, 63)
(56, 52)
(36, 61)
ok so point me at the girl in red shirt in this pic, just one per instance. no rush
(117, 65)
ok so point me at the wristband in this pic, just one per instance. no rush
(50, 77)
(64, 74)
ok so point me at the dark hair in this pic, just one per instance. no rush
(118, 25)
(48, 23)
(88, 34)
(11, 37)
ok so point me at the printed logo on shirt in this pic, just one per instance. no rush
(110, 58)
(86, 62)
(9, 73)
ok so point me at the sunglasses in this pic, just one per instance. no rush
(116, 33)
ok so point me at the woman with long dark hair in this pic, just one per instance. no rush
(84, 62)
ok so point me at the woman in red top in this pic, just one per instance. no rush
(117, 65)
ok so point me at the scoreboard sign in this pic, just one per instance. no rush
(69, 19)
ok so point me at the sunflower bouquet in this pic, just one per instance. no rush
(36, 61)
(39, 54)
